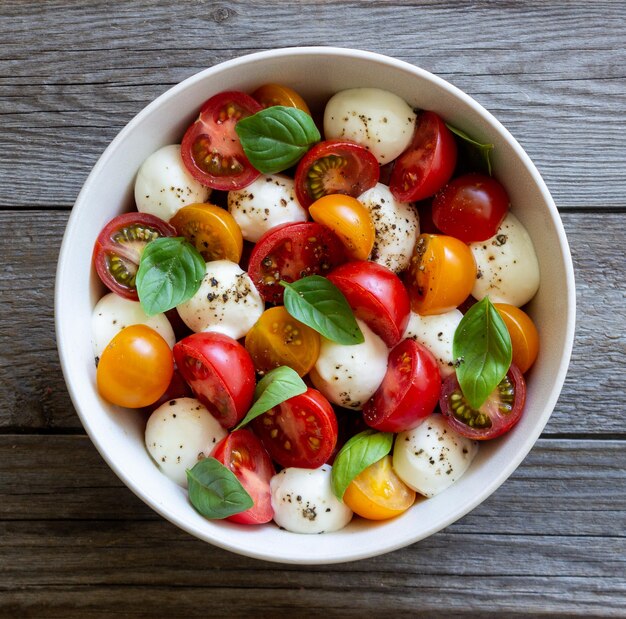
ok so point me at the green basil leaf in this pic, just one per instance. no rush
(482, 346)
(275, 387)
(477, 156)
(214, 490)
(319, 304)
(170, 272)
(361, 451)
(276, 138)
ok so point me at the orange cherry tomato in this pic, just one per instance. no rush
(377, 493)
(136, 367)
(277, 94)
(279, 339)
(211, 229)
(349, 220)
(524, 335)
(441, 274)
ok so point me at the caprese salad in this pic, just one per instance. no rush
(318, 323)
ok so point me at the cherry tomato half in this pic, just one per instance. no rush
(244, 454)
(211, 150)
(135, 368)
(212, 230)
(470, 207)
(377, 296)
(441, 274)
(119, 246)
(427, 164)
(409, 392)
(292, 251)
(335, 166)
(278, 94)
(300, 432)
(377, 493)
(524, 335)
(220, 372)
(501, 411)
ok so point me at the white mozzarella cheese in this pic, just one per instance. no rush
(431, 457)
(303, 501)
(267, 202)
(163, 185)
(508, 269)
(226, 302)
(349, 375)
(113, 313)
(397, 227)
(437, 334)
(178, 434)
(377, 119)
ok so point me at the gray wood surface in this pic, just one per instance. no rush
(74, 542)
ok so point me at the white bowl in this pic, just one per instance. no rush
(316, 73)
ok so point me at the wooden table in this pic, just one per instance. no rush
(75, 542)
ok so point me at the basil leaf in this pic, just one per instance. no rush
(319, 304)
(170, 272)
(276, 138)
(482, 345)
(477, 156)
(214, 490)
(275, 387)
(361, 451)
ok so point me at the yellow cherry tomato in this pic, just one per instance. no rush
(377, 493)
(441, 274)
(277, 94)
(211, 229)
(279, 339)
(349, 220)
(136, 367)
(524, 335)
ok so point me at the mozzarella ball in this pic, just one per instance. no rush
(508, 269)
(397, 227)
(303, 501)
(163, 185)
(349, 375)
(268, 202)
(113, 313)
(377, 119)
(437, 334)
(431, 457)
(178, 434)
(227, 301)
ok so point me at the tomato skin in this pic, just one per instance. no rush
(335, 166)
(470, 207)
(220, 372)
(427, 164)
(301, 432)
(290, 252)
(211, 150)
(377, 296)
(495, 421)
(243, 454)
(409, 392)
(524, 335)
(119, 246)
(135, 368)
(279, 94)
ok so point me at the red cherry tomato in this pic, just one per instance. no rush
(301, 432)
(427, 164)
(244, 454)
(502, 410)
(119, 246)
(220, 372)
(377, 296)
(292, 251)
(211, 150)
(471, 207)
(409, 392)
(335, 166)
(177, 388)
